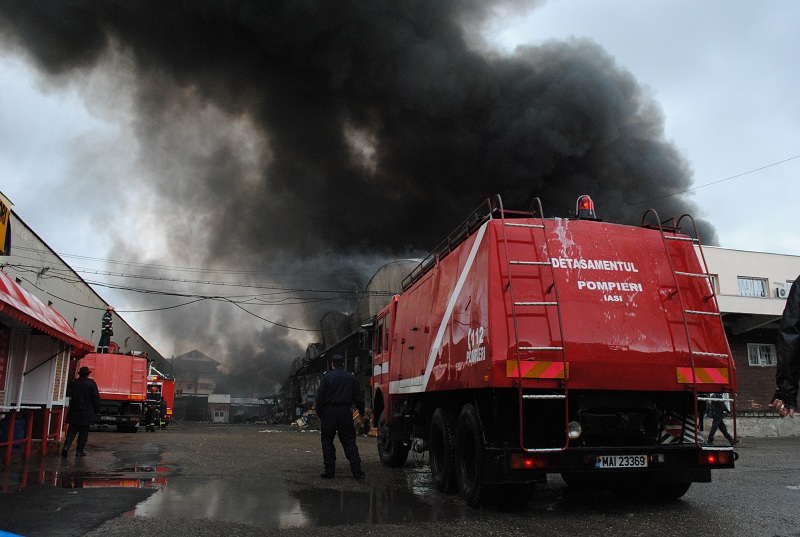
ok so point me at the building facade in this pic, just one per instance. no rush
(195, 374)
(751, 290)
(35, 267)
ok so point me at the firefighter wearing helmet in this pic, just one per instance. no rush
(106, 331)
(152, 409)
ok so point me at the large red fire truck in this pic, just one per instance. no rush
(121, 380)
(524, 346)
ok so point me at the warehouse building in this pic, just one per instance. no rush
(48, 316)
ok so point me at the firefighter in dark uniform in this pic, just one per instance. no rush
(152, 409)
(84, 403)
(106, 331)
(338, 392)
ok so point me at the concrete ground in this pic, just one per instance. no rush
(249, 480)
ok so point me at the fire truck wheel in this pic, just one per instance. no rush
(469, 456)
(391, 452)
(442, 440)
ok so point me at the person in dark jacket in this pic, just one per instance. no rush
(84, 403)
(717, 411)
(787, 375)
(338, 392)
(152, 413)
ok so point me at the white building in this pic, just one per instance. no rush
(751, 291)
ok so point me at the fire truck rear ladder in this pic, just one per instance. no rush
(516, 306)
(700, 315)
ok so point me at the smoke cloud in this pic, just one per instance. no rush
(318, 138)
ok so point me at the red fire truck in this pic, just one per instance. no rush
(121, 380)
(525, 346)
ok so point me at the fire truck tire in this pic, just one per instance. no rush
(469, 456)
(393, 453)
(442, 441)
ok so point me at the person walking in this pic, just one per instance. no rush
(787, 374)
(84, 403)
(717, 410)
(338, 392)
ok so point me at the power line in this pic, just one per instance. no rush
(709, 184)
(197, 299)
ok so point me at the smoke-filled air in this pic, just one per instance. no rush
(305, 143)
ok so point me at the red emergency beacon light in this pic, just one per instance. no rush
(584, 208)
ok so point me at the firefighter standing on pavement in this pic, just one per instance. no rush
(338, 392)
(153, 407)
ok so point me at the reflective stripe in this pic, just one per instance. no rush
(418, 384)
(536, 369)
(703, 375)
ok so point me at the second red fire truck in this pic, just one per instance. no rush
(525, 346)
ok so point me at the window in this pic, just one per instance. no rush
(714, 282)
(760, 354)
(386, 332)
(753, 287)
(379, 337)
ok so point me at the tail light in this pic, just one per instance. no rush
(715, 458)
(527, 461)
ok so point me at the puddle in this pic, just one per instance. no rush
(229, 500)
(402, 501)
(130, 477)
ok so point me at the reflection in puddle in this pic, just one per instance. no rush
(221, 499)
(88, 482)
(229, 500)
(131, 477)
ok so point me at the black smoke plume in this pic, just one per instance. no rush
(275, 135)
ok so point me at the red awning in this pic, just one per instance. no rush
(24, 306)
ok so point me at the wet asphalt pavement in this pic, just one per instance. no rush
(248, 480)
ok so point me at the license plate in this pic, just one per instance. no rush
(108, 418)
(621, 461)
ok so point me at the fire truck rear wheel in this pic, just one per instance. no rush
(392, 453)
(469, 456)
(442, 440)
